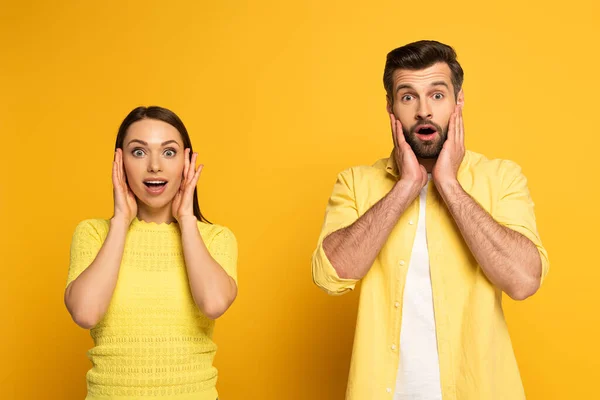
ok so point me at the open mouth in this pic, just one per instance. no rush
(155, 186)
(426, 132)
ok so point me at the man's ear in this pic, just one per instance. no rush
(388, 105)
(460, 99)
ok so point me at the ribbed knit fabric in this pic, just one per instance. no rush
(153, 342)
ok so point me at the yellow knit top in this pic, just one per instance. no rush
(153, 342)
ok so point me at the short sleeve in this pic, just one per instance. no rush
(341, 212)
(86, 242)
(223, 248)
(515, 210)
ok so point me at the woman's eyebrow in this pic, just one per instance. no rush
(146, 143)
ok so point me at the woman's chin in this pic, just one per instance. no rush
(155, 204)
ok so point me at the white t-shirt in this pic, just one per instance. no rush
(419, 370)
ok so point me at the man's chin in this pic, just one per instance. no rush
(427, 154)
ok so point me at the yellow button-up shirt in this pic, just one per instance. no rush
(476, 358)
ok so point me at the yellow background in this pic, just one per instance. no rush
(279, 97)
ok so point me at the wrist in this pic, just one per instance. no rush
(187, 219)
(409, 186)
(119, 222)
(447, 186)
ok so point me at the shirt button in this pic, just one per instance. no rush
(389, 390)
(396, 304)
(393, 347)
(410, 222)
(402, 262)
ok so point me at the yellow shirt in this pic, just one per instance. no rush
(153, 342)
(476, 358)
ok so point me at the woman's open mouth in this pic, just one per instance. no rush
(155, 186)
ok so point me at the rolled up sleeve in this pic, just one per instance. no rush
(341, 212)
(515, 210)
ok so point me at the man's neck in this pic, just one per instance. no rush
(428, 163)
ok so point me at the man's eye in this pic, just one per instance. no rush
(407, 97)
(438, 96)
(137, 152)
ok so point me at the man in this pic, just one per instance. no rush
(436, 234)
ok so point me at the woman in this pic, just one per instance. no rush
(150, 281)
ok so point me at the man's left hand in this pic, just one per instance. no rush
(453, 152)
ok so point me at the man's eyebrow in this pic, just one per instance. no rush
(404, 86)
(440, 83)
(408, 86)
(146, 144)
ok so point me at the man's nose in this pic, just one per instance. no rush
(424, 111)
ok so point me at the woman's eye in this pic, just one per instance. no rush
(438, 96)
(138, 153)
(170, 153)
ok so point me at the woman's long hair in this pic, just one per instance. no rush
(168, 116)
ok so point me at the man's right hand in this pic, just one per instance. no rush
(412, 173)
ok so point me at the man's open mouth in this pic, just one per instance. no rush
(426, 130)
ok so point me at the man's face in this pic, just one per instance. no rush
(423, 102)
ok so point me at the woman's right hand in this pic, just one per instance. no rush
(125, 204)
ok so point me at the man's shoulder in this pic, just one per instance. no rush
(479, 164)
(375, 170)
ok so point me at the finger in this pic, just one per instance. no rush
(122, 169)
(456, 124)
(186, 164)
(115, 178)
(119, 159)
(194, 181)
(399, 133)
(457, 130)
(393, 126)
(197, 174)
(452, 127)
(192, 168)
(114, 169)
(461, 130)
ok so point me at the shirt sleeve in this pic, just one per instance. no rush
(223, 248)
(86, 242)
(515, 210)
(341, 212)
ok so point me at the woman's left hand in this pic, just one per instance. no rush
(183, 203)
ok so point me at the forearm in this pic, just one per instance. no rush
(87, 298)
(352, 250)
(212, 288)
(508, 259)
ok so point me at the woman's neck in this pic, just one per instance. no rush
(157, 215)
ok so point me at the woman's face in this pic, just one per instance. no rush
(153, 158)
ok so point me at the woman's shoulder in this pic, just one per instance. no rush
(91, 230)
(211, 231)
(94, 223)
